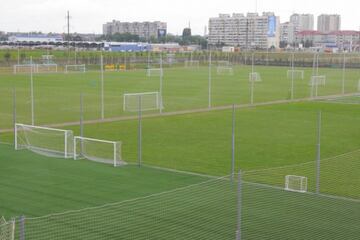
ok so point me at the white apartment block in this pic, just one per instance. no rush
(142, 29)
(248, 32)
(329, 23)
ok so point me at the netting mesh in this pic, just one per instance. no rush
(75, 68)
(254, 77)
(297, 74)
(50, 142)
(215, 209)
(338, 175)
(225, 71)
(154, 72)
(98, 151)
(149, 101)
(7, 229)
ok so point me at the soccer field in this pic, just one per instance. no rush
(182, 89)
(180, 191)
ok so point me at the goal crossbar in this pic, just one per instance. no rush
(116, 151)
(66, 139)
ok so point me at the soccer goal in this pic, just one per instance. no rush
(298, 74)
(50, 142)
(254, 77)
(47, 68)
(149, 101)
(318, 80)
(98, 150)
(150, 72)
(75, 68)
(296, 183)
(225, 71)
(192, 63)
(223, 64)
(24, 68)
(7, 229)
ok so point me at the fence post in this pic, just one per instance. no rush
(239, 205)
(22, 228)
(318, 153)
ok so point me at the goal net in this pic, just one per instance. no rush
(298, 74)
(24, 68)
(149, 101)
(192, 63)
(317, 80)
(254, 77)
(75, 68)
(295, 183)
(97, 150)
(154, 72)
(47, 68)
(50, 142)
(7, 229)
(225, 71)
(224, 64)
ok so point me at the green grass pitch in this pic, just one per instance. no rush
(271, 142)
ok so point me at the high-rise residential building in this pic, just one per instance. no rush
(248, 32)
(145, 30)
(287, 34)
(302, 22)
(328, 23)
(297, 23)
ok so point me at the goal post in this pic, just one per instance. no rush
(46, 141)
(295, 183)
(298, 74)
(24, 68)
(254, 77)
(75, 68)
(47, 68)
(7, 229)
(225, 70)
(154, 72)
(149, 101)
(192, 63)
(318, 80)
(98, 150)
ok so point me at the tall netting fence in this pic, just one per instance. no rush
(221, 208)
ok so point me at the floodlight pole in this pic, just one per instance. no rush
(14, 115)
(318, 152)
(102, 86)
(139, 133)
(161, 83)
(343, 75)
(292, 75)
(209, 80)
(32, 92)
(252, 83)
(239, 206)
(233, 143)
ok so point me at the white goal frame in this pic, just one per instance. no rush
(302, 181)
(318, 80)
(221, 70)
(296, 73)
(28, 67)
(48, 67)
(66, 135)
(254, 77)
(192, 63)
(157, 103)
(79, 68)
(7, 229)
(154, 72)
(117, 160)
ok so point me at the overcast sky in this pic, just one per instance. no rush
(89, 15)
